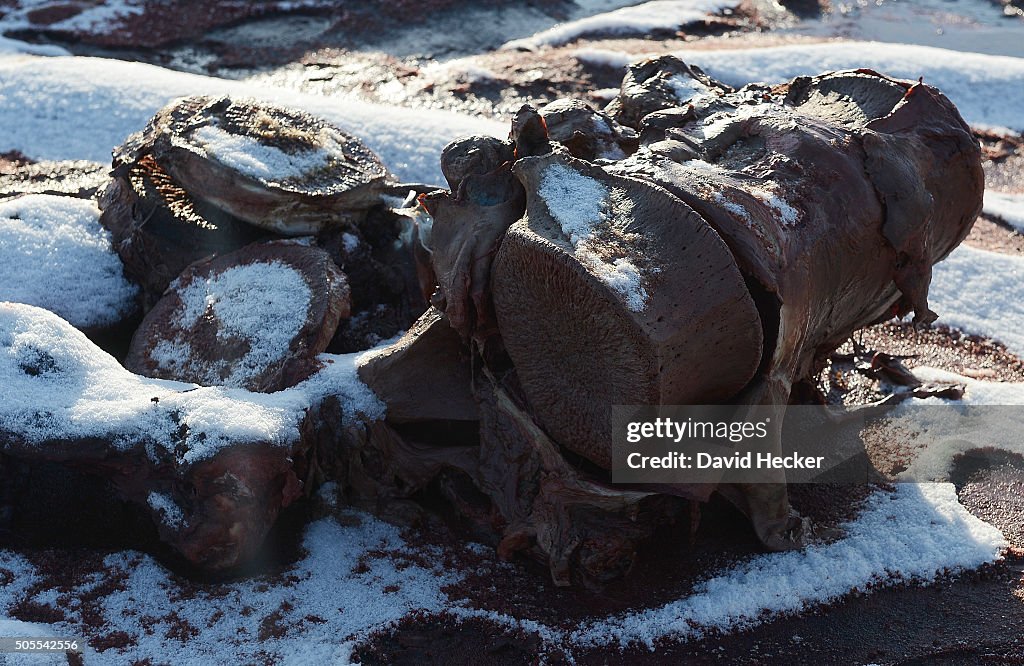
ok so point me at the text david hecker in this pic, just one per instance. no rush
(738, 460)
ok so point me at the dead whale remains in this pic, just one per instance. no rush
(689, 244)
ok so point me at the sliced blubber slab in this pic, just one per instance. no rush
(158, 228)
(277, 168)
(613, 291)
(255, 318)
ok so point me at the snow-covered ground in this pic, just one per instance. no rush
(934, 534)
(94, 18)
(640, 18)
(87, 393)
(352, 578)
(80, 108)
(981, 292)
(356, 578)
(1007, 207)
(968, 26)
(56, 255)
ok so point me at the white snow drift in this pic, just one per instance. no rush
(81, 108)
(1007, 207)
(55, 254)
(55, 383)
(981, 292)
(637, 20)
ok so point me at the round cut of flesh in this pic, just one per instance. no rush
(281, 169)
(643, 302)
(253, 319)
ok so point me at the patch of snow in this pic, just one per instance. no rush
(986, 89)
(351, 579)
(704, 166)
(996, 129)
(979, 392)
(90, 18)
(17, 629)
(171, 355)
(8, 45)
(687, 89)
(636, 19)
(976, 27)
(100, 16)
(349, 241)
(339, 376)
(1007, 207)
(913, 533)
(264, 303)
(328, 493)
(55, 254)
(608, 58)
(605, 94)
(620, 274)
(80, 108)
(462, 69)
(733, 207)
(981, 292)
(167, 508)
(55, 383)
(718, 123)
(578, 204)
(772, 199)
(249, 156)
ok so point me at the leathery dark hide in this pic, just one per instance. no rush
(747, 236)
